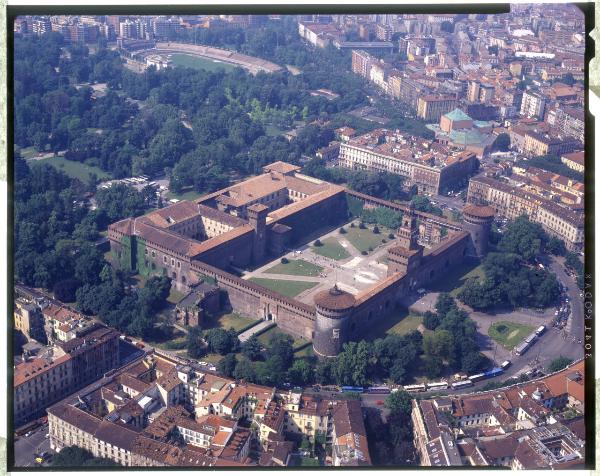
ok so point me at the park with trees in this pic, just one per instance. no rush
(512, 278)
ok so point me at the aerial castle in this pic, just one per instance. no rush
(256, 220)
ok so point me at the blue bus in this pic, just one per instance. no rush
(493, 372)
(352, 389)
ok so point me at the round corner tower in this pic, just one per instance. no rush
(478, 222)
(333, 307)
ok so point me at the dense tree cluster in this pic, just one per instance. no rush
(573, 262)
(511, 279)
(53, 230)
(54, 240)
(382, 216)
(423, 204)
(362, 362)
(382, 185)
(273, 366)
(452, 342)
(391, 442)
(509, 282)
(220, 341)
(132, 311)
(76, 457)
(201, 127)
(558, 364)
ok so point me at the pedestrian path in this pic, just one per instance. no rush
(244, 336)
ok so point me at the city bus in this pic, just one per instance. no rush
(352, 389)
(462, 384)
(420, 387)
(437, 385)
(477, 377)
(531, 337)
(522, 348)
(381, 389)
(493, 372)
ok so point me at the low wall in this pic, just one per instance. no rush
(378, 202)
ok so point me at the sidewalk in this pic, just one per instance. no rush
(244, 336)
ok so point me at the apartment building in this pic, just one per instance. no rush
(362, 62)
(512, 201)
(306, 415)
(431, 169)
(29, 320)
(537, 143)
(574, 160)
(431, 108)
(533, 104)
(349, 436)
(569, 121)
(43, 381)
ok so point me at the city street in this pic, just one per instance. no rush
(27, 447)
(575, 324)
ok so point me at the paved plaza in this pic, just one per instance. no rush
(352, 274)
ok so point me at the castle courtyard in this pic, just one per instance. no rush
(353, 273)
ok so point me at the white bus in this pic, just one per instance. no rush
(415, 388)
(462, 384)
(476, 377)
(522, 348)
(437, 385)
(531, 337)
(540, 330)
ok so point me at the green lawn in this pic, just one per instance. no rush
(509, 334)
(272, 130)
(265, 337)
(454, 278)
(214, 358)
(304, 352)
(362, 240)
(297, 267)
(174, 339)
(74, 169)
(196, 62)
(175, 296)
(398, 321)
(331, 248)
(29, 152)
(287, 288)
(406, 325)
(227, 321)
(188, 194)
